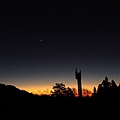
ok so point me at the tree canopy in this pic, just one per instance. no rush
(60, 90)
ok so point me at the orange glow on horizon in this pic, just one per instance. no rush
(47, 90)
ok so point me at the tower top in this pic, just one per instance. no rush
(77, 71)
(78, 74)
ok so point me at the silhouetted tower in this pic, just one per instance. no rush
(78, 77)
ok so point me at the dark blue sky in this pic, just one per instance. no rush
(83, 35)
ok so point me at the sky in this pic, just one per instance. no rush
(42, 44)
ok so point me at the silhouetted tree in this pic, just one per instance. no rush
(59, 90)
(86, 92)
(99, 87)
(94, 90)
(75, 91)
(69, 92)
(113, 84)
(108, 89)
(105, 83)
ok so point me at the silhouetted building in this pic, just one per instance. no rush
(78, 77)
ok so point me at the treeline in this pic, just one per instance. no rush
(107, 90)
(22, 105)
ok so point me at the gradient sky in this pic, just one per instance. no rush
(83, 35)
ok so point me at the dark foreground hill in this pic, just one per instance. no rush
(17, 104)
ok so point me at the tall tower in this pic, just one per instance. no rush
(78, 77)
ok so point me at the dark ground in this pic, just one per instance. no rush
(18, 104)
(52, 108)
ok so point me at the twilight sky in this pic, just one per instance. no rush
(43, 43)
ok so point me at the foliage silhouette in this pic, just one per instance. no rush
(107, 90)
(86, 92)
(60, 90)
(21, 105)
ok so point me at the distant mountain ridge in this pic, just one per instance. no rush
(11, 91)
